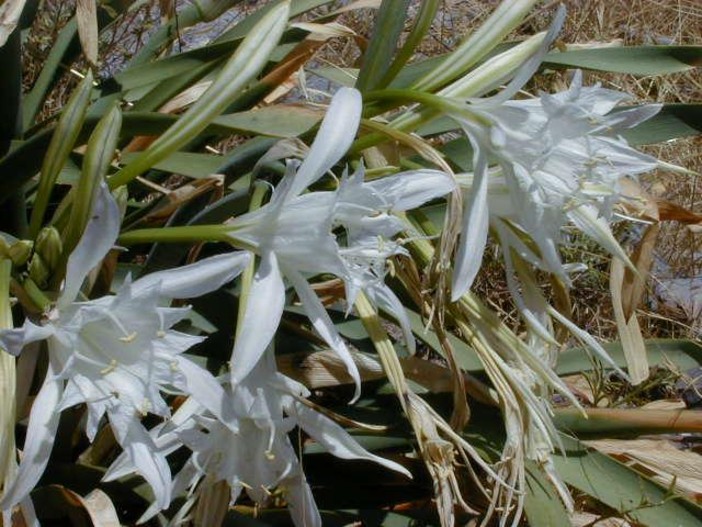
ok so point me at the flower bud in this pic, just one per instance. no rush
(20, 251)
(4, 248)
(49, 246)
(38, 271)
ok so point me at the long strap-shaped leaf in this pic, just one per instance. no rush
(240, 70)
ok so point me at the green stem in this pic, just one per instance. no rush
(36, 295)
(189, 233)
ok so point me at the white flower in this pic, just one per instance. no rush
(254, 453)
(560, 158)
(294, 236)
(115, 353)
(366, 211)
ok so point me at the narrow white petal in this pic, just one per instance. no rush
(196, 279)
(264, 307)
(13, 340)
(338, 441)
(475, 228)
(301, 505)
(207, 391)
(323, 324)
(586, 219)
(149, 462)
(386, 300)
(409, 190)
(333, 140)
(99, 237)
(43, 422)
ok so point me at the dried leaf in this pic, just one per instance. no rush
(634, 285)
(10, 12)
(629, 331)
(86, 16)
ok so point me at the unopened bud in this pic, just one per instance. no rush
(4, 248)
(20, 251)
(38, 271)
(49, 246)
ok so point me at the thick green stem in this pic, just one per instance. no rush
(189, 233)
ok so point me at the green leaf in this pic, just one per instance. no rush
(627, 422)
(62, 142)
(672, 122)
(388, 27)
(621, 488)
(188, 15)
(33, 101)
(283, 120)
(248, 60)
(685, 354)
(508, 15)
(542, 505)
(639, 60)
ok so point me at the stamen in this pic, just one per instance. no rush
(110, 367)
(129, 338)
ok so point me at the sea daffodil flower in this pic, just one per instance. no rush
(294, 236)
(256, 455)
(115, 353)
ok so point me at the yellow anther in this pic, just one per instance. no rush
(160, 333)
(112, 366)
(270, 456)
(129, 338)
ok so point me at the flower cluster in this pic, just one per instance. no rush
(558, 158)
(117, 354)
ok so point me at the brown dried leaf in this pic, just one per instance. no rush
(628, 327)
(86, 16)
(10, 12)
(634, 285)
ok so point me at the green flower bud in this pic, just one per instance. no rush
(20, 251)
(4, 248)
(38, 271)
(49, 246)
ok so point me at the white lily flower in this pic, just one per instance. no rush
(115, 353)
(560, 158)
(260, 457)
(256, 456)
(366, 210)
(294, 236)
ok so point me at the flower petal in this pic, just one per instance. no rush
(409, 190)
(196, 279)
(336, 440)
(13, 340)
(301, 505)
(99, 237)
(205, 389)
(475, 226)
(333, 140)
(263, 310)
(149, 462)
(323, 324)
(43, 422)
